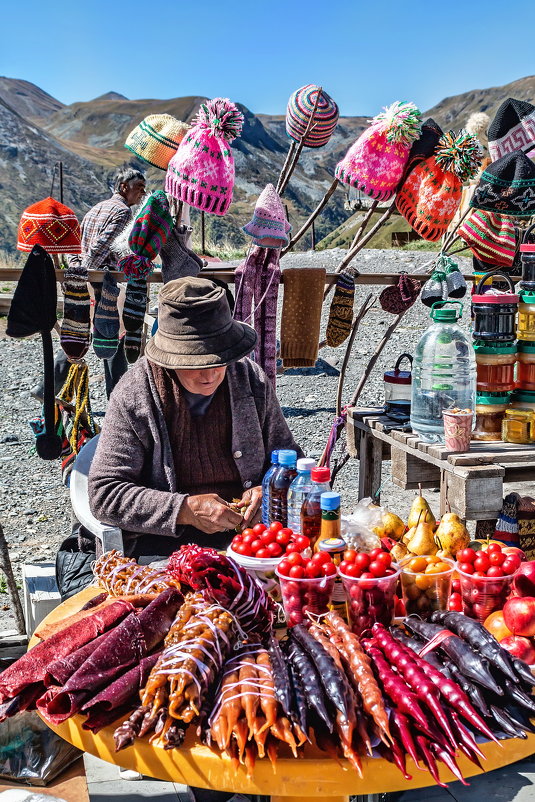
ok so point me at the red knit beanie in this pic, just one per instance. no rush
(50, 224)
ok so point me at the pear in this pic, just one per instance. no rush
(398, 551)
(451, 535)
(391, 526)
(406, 539)
(420, 512)
(422, 542)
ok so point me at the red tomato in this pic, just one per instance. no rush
(515, 560)
(510, 565)
(481, 562)
(389, 572)
(237, 538)
(479, 573)
(384, 558)
(466, 556)
(321, 558)
(362, 560)
(244, 549)
(255, 545)
(350, 555)
(456, 585)
(344, 566)
(374, 553)
(353, 570)
(284, 567)
(275, 526)
(497, 557)
(377, 568)
(455, 603)
(367, 575)
(247, 532)
(259, 528)
(263, 554)
(283, 537)
(294, 558)
(297, 572)
(328, 569)
(468, 568)
(493, 547)
(250, 538)
(268, 537)
(302, 541)
(292, 547)
(495, 570)
(313, 570)
(274, 549)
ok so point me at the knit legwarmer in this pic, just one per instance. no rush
(301, 315)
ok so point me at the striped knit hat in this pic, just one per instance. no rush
(490, 236)
(50, 224)
(201, 173)
(269, 226)
(150, 231)
(375, 163)
(156, 139)
(513, 128)
(299, 111)
(507, 186)
(431, 194)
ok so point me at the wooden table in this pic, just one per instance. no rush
(316, 775)
(470, 482)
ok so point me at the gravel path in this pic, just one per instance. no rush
(34, 505)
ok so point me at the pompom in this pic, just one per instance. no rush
(401, 122)
(221, 117)
(477, 123)
(459, 153)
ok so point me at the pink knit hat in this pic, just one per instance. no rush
(375, 163)
(269, 226)
(201, 173)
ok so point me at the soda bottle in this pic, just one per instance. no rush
(281, 479)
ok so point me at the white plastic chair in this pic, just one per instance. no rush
(111, 537)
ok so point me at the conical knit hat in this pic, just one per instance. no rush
(513, 128)
(507, 186)
(375, 163)
(269, 226)
(299, 111)
(50, 224)
(490, 236)
(201, 173)
(156, 139)
(431, 193)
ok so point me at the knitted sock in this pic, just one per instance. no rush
(435, 289)
(75, 328)
(132, 345)
(301, 315)
(177, 259)
(341, 311)
(507, 523)
(135, 304)
(106, 318)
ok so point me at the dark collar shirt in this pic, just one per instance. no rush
(100, 226)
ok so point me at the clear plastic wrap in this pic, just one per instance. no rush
(357, 528)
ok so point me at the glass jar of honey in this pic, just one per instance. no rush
(523, 398)
(518, 425)
(495, 366)
(490, 411)
(526, 316)
(525, 374)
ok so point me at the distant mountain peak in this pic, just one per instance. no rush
(111, 96)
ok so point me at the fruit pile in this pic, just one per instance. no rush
(486, 579)
(306, 585)
(268, 543)
(426, 583)
(514, 626)
(370, 585)
(367, 565)
(489, 562)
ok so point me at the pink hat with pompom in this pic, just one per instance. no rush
(269, 226)
(201, 173)
(375, 163)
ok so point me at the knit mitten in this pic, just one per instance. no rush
(75, 333)
(341, 311)
(435, 289)
(106, 320)
(132, 345)
(177, 259)
(135, 304)
(454, 279)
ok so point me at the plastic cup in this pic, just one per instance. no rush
(457, 430)
(370, 600)
(483, 595)
(302, 596)
(424, 593)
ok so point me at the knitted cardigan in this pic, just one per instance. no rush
(132, 481)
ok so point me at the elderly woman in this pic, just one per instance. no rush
(188, 430)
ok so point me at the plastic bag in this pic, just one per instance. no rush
(32, 753)
(21, 795)
(357, 528)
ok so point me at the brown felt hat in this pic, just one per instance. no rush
(195, 327)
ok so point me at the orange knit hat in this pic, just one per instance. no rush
(50, 224)
(431, 193)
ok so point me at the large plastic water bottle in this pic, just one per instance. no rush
(281, 479)
(265, 486)
(443, 373)
(298, 490)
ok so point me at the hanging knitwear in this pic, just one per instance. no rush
(341, 311)
(177, 259)
(301, 315)
(75, 334)
(106, 319)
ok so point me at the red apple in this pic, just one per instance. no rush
(519, 616)
(524, 581)
(519, 647)
(514, 550)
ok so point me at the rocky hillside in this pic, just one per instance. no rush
(36, 130)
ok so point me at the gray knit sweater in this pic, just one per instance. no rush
(132, 481)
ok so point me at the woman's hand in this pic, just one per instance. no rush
(251, 504)
(209, 513)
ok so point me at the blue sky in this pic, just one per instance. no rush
(365, 54)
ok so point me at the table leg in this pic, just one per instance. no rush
(370, 466)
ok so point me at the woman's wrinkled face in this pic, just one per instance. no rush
(202, 382)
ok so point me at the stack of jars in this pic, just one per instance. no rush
(496, 354)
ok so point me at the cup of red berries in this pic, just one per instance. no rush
(486, 578)
(370, 580)
(306, 585)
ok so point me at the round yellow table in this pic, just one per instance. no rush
(317, 775)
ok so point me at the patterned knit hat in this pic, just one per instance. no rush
(513, 128)
(507, 186)
(50, 224)
(156, 139)
(375, 163)
(201, 173)
(150, 231)
(430, 196)
(299, 111)
(269, 226)
(425, 145)
(490, 236)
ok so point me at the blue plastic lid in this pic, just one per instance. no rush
(275, 457)
(287, 457)
(330, 500)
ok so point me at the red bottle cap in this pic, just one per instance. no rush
(320, 475)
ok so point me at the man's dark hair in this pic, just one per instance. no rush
(125, 175)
